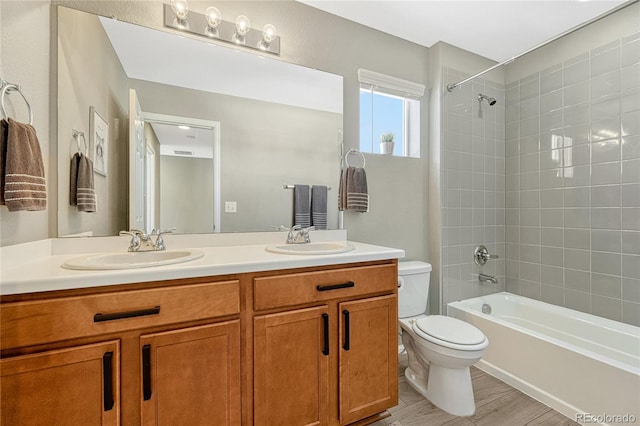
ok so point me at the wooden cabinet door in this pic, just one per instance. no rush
(368, 357)
(291, 368)
(191, 376)
(73, 386)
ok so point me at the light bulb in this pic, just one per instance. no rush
(180, 8)
(243, 25)
(269, 33)
(214, 17)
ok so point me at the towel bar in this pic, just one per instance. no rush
(354, 151)
(293, 187)
(6, 87)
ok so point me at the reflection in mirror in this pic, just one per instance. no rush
(277, 124)
(183, 150)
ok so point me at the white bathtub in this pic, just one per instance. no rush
(584, 366)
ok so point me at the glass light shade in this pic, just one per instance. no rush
(243, 25)
(180, 8)
(214, 17)
(269, 33)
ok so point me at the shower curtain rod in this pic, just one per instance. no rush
(452, 86)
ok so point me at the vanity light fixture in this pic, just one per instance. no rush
(211, 25)
(181, 9)
(214, 18)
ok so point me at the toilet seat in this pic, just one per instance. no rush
(450, 332)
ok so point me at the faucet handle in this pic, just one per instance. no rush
(159, 232)
(135, 238)
(159, 244)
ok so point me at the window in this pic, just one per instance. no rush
(389, 105)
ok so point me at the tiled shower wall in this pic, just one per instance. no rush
(573, 183)
(473, 182)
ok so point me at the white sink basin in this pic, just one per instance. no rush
(310, 248)
(132, 260)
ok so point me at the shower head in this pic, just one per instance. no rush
(492, 101)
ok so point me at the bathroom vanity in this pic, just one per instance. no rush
(283, 340)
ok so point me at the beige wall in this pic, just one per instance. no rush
(398, 187)
(262, 146)
(187, 194)
(90, 75)
(24, 60)
(151, 139)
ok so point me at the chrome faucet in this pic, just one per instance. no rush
(293, 237)
(140, 241)
(487, 278)
(481, 255)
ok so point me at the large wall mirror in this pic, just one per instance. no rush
(190, 128)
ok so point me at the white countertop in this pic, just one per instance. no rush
(36, 267)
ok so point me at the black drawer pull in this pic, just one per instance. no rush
(107, 377)
(127, 314)
(325, 320)
(146, 372)
(347, 331)
(335, 286)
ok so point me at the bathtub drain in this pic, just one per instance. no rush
(486, 308)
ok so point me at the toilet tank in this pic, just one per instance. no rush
(413, 288)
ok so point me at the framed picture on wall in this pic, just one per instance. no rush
(99, 130)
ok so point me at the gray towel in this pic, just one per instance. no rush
(22, 168)
(342, 191)
(81, 189)
(356, 190)
(301, 206)
(319, 206)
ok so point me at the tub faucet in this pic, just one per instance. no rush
(489, 278)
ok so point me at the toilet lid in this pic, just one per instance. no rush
(450, 330)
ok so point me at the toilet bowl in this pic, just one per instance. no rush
(440, 349)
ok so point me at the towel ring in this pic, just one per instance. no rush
(77, 135)
(355, 151)
(10, 86)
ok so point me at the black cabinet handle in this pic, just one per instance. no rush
(325, 320)
(127, 314)
(146, 372)
(347, 331)
(107, 377)
(335, 286)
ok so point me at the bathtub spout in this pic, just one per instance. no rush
(489, 278)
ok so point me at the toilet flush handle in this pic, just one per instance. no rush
(400, 283)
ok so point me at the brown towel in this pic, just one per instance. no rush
(25, 187)
(354, 193)
(4, 129)
(81, 189)
(357, 191)
(342, 191)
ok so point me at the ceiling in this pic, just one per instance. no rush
(497, 30)
(166, 58)
(184, 141)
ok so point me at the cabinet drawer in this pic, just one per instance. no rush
(308, 287)
(44, 321)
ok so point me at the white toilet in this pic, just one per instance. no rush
(447, 345)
